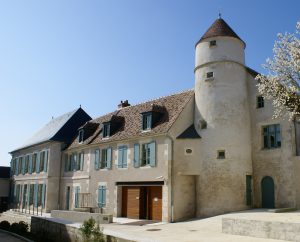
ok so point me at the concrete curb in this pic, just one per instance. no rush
(16, 235)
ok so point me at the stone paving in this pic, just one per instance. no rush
(200, 230)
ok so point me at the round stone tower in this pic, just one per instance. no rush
(222, 119)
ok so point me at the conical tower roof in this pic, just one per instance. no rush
(220, 28)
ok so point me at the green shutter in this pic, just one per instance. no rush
(38, 162)
(81, 160)
(152, 154)
(74, 161)
(66, 162)
(35, 195)
(103, 196)
(28, 194)
(46, 160)
(109, 158)
(43, 195)
(23, 165)
(17, 167)
(136, 155)
(77, 190)
(120, 156)
(124, 164)
(30, 164)
(97, 158)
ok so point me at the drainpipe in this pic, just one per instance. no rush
(171, 177)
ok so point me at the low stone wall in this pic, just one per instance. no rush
(262, 229)
(56, 230)
(79, 217)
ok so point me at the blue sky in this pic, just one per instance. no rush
(56, 55)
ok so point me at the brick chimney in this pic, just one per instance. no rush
(123, 104)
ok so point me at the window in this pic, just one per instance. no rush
(260, 103)
(122, 156)
(74, 162)
(221, 154)
(212, 43)
(80, 136)
(148, 154)
(209, 75)
(106, 130)
(105, 159)
(101, 196)
(271, 136)
(147, 121)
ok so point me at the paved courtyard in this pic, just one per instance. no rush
(209, 229)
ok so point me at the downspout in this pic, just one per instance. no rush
(171, 177)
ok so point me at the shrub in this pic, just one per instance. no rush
(91, 231)
(20, 228)
(5, 225)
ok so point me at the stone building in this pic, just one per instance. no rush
(35, 165)
(202, 152)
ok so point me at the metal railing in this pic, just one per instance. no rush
(24, 207)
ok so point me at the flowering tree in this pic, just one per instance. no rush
(282, 84)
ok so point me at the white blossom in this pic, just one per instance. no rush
(282, 83)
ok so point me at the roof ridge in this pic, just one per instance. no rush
(154, 99)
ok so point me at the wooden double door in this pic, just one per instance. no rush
(142, 202)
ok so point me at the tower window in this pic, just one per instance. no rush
(212, 43)
(260, 103)
(221, 154)
(209, 74)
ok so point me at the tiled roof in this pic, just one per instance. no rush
(220, 28)
(132, 119)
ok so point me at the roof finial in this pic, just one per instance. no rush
(80, 105)
(220, 16)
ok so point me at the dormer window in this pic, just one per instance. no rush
(147, 121)
(81, 136)
(106, 130)
(212, 43)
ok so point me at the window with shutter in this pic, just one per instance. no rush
(38, 157)
(77, 191)
(35, 195)
(81, 160)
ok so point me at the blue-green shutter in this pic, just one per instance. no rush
(81, 157)
(22, 160)
(38, 162)
(152, 154)
(28, 194)
(109, 158)
(17, 167)
(46, 160)
(74, 161)
(30, 164)
(124, 157)
(97, 159)
(77, 190)
(35, 195)
(136, 155)
(120, 154)
(66, 162)
(101, 196)
(43, 195)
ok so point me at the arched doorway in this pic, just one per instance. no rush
(267, 192)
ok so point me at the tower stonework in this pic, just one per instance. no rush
(222, 118)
